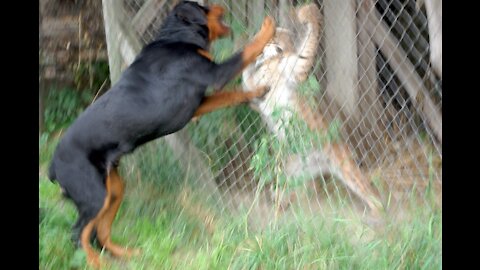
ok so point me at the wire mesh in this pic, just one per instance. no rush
(357, 132)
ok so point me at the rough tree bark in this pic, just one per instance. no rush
(256, 13)
(341, 53)
(434, 17)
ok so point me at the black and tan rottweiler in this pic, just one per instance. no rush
(158, 94)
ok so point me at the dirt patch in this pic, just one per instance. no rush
(71, 32)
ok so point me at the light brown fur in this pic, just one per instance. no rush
(286, 62)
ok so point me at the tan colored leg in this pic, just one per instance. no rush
(115, 191)
(93, 257)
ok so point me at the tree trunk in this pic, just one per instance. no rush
(283, 14)
(341, 53)
(434, 16)
(256, 13)
(239, 12)
(112, 37)
(188, 154)
(271, 6)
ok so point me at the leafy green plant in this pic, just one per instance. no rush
(63, 106)
(90, 75)
(309, 89)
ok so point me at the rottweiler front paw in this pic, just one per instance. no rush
(267, 31)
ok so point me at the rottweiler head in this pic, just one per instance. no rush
(209, 18)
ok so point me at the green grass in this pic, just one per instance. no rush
(164, 215)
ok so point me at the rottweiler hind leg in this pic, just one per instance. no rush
(77, 230)
(93, 210)
(115, 190)
(85, 187)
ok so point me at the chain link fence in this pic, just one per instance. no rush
(351, 126)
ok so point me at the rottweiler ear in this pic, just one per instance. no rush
(190, 16)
